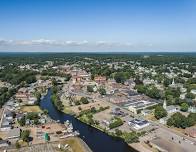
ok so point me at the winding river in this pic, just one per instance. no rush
(95, 139)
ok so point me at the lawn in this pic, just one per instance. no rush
(68, 110)
(31, 109)
(75, 144)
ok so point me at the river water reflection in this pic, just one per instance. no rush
(95, 139)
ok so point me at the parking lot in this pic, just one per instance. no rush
(169, 141)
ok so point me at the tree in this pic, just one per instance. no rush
(190, 95)
(115, 123)
(167, 82)
(178, 120)
(45, 111)
(93, 110)
(77, 102)
(131, 137)
(118, 132)
(191, 119)
(38, 96)
(153, 92)
(141, 88)
(67, 77)
(160, 112)
(84, 100)
(184, 107)
(120, 77)
(90, 89)
(25, 135)
(22, 121)
(102, 91)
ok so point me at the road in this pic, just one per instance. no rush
(170, 132)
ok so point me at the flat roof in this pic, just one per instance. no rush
(139, 122)
(14, 133)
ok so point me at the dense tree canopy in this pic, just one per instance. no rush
(160, 112)
(180, 121)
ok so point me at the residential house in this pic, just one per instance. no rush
(100, 79)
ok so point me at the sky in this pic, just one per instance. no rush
(98, 25)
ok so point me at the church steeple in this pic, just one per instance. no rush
(165, 104)
(173, 82)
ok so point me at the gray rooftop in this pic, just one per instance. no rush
(13, 133)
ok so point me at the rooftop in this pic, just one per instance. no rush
(14, 133)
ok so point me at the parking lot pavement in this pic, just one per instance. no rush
(176, 140)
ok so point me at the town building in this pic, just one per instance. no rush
(14, 134)
(4, 143)
(192, 109)
(100, 79)
(193, 91)
(146, 112)
(138, 124)
(170, 109)
(136, 106)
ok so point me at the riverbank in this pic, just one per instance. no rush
(95, 139)
(77, 144)
(110, 133)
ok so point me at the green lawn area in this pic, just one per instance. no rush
(31, 109)
(67, 110)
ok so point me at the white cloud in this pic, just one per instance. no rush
(5, 42)
(84, 45)
(46, 42)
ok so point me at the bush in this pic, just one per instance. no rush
(25, 135)
(184, 107)
(131, 137)
(116, 123)
(17, 145)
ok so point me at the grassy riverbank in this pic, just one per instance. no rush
(128, 137)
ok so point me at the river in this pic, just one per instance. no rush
(94, 138)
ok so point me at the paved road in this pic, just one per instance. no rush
(168, 131)
(174, 139)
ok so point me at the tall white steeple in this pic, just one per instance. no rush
(173, 82)
(165, 104)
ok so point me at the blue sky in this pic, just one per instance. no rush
(97, 25)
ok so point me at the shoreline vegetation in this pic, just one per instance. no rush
(128, 138)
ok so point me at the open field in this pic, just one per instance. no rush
(97, 105)
(75, 144)
(31, 109)
(67, 110)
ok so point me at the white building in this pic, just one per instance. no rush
(170, 109)
(193, 91)
(146, 112)
(192, 109)
(138, 124)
